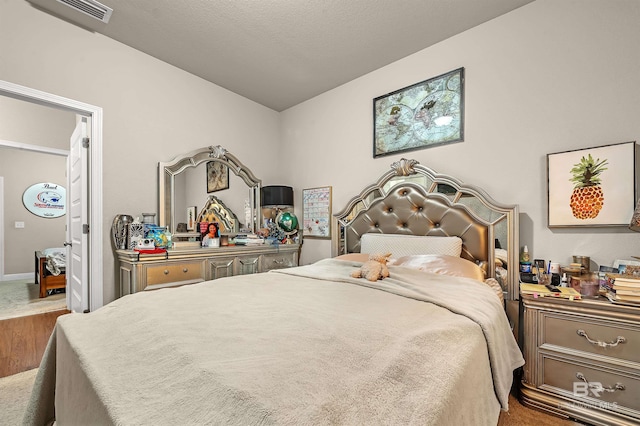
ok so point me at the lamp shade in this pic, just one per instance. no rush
(276, 195)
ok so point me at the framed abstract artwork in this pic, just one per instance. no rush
(316, 212)
(592, 187)
(191, 218)
(426, 114)
(217, 176)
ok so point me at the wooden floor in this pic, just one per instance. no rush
(23, 341)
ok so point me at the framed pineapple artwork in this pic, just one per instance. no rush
(594, 187)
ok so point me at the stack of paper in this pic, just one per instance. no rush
(543, 291)
(248, 240)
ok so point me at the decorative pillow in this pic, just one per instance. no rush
(353, 257)
(442, 264)
(407, 245)
(51, 251)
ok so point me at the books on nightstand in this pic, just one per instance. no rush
(623, 288)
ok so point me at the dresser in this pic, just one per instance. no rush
(138, 272)
(582, 359)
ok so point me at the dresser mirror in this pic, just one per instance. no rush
(184, 182)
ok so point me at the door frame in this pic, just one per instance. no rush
(96, 285)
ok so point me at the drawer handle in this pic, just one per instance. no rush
(185, 270)
(619, 339)
(166, 272)
(597, 387)
(278, 262)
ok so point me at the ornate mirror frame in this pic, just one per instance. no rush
(166, 182)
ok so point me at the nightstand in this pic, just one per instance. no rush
(582, 359)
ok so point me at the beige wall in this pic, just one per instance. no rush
(20, 170)
(152, 110)
(548, 77)
(31, 124)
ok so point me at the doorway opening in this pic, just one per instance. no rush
(92, 298)
(25, 234)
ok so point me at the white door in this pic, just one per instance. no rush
(77, 271)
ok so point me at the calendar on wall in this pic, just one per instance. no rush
(316, 212)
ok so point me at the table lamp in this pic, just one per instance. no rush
(279, 198)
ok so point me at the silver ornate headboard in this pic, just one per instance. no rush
(412, 199)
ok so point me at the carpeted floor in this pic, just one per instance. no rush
(519, 415)
(15, 391)
(21, 297)
(14, 395)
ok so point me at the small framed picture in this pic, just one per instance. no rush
(191, 218)
(627, 267)
(539, 264)
(217, 176)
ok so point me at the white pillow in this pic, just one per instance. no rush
(50, 251)
(408, 245)
(442, 264)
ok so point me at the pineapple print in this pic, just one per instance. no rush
(587, 198)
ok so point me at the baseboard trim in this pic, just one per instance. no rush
(14, 277)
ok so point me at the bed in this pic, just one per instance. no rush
(430, 344)
(50, 270)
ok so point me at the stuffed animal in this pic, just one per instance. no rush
(375, 268)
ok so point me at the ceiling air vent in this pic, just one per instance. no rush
(90, 7)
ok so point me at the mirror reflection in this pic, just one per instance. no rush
(190, 190)
(208, 184)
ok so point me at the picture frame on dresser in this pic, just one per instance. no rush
(217, 176)
(625, 266)
(592, 187)
(192, 214)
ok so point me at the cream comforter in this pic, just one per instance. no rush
(306, 345)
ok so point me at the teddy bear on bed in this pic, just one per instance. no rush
(375, 268)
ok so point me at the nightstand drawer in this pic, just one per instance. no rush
(596, 336)
(594, 386)
(175, 272)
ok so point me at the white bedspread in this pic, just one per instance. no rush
(283, 348)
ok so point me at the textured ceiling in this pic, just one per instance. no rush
(282, 52)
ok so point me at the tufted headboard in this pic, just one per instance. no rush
(414, 200)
